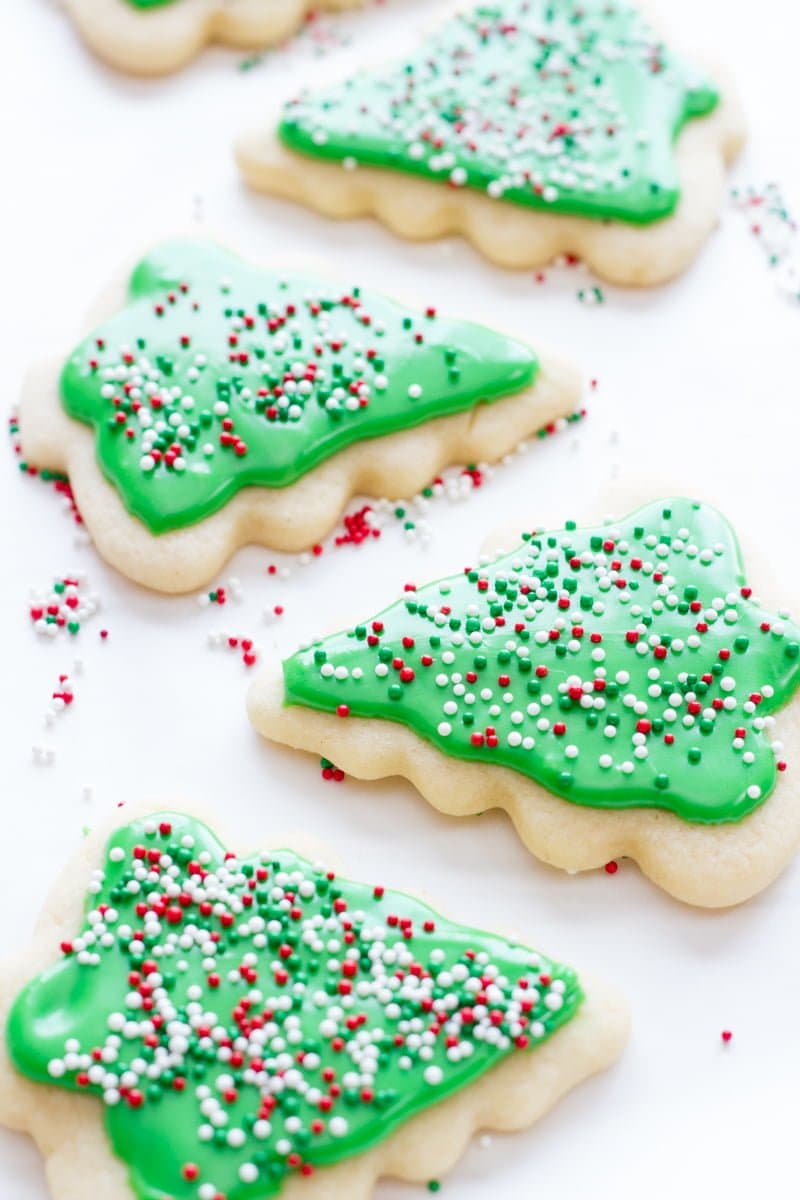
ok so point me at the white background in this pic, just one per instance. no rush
(696, 382)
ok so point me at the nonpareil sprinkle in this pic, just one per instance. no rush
(62, 607)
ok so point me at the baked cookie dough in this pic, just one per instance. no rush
(201, 1026)
(617, 688)
(217, 404)
(154, 37)
(535, 128)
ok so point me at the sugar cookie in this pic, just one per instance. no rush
(219, 404)
(534, 128)
(617, 688)
(223, 1028)
(154, 37)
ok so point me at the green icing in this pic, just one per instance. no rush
(621, 666)
(244, 1020)
(218, 376)
(150, 3)
(568, 105)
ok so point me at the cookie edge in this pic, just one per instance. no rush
(164, 40)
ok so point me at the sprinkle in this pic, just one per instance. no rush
(776, 230)
(244, 646)
(61, 698)
(358, 526)
(591, 295)
(63, 606)
(330, 771)
(318, 33)
(58, 481)
(455, 485)
(222, 594)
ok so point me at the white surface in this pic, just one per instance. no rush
(699, 380)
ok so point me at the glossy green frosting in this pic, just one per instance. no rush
(567, 105)
(622, 666)
(218, 375)
(244, 1020)
(150, 3)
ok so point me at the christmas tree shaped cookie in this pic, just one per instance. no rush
(252, 1027)
(618, 689)
(532, 128)
(220, 404)
(153, 37)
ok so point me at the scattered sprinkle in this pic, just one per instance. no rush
(62, 607)
(358, 526)
(591, 295)
(454, 485)
(330, 771)
(776, 231)
(244, 645)
(60, 700)
(319, 32)
(222, 594)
